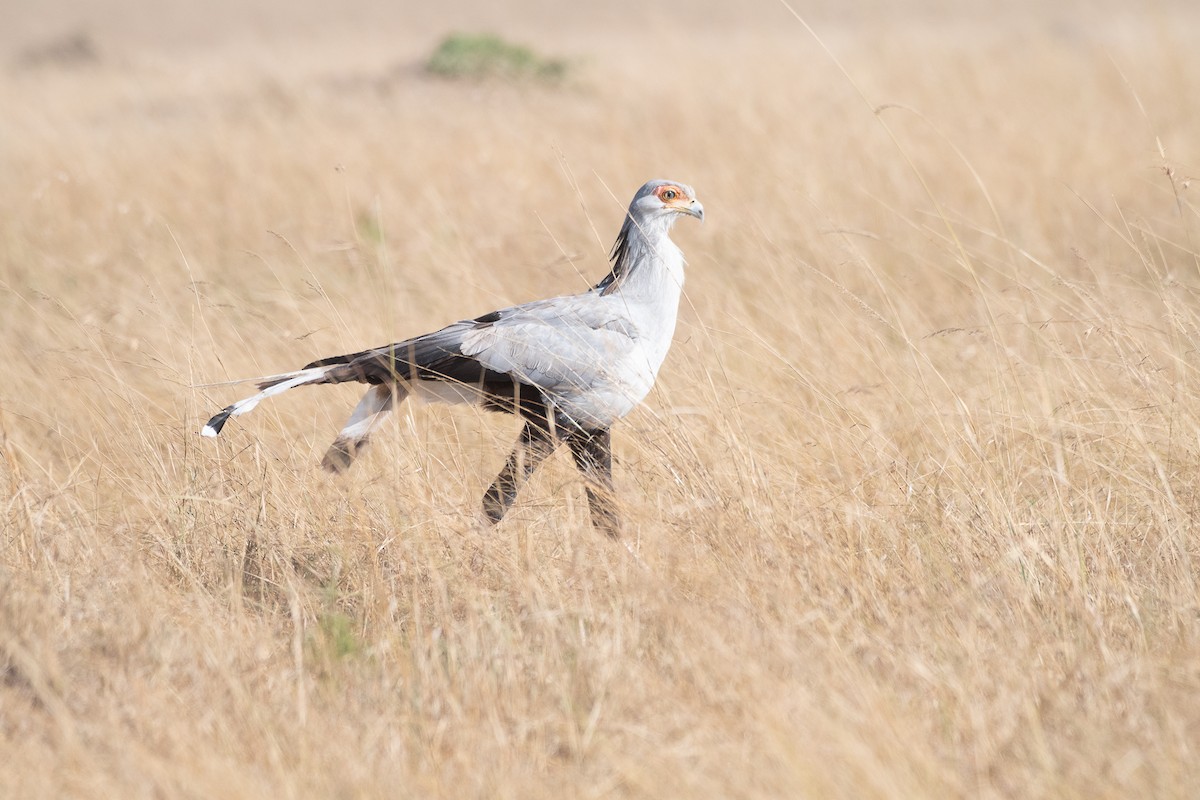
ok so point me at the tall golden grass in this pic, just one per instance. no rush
(915, 498)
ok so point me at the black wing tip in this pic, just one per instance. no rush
(333, 361)
(213, 427)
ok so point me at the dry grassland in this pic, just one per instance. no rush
(916, 495)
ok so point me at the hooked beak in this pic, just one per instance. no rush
(694, 209)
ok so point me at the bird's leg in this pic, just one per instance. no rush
(535, 443)
(593, 455)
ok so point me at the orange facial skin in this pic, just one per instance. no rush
(672, 195)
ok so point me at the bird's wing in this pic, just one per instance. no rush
(559, 344)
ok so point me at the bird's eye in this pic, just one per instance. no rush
(670, 194)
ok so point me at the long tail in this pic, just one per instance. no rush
(270, 387)
(389, 369)
(367, 416)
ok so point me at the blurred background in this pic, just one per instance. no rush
(914, 500)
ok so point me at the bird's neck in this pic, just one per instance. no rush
(646, 263)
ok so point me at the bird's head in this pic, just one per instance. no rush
(661, 202)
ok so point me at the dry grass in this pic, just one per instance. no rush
(916, 495)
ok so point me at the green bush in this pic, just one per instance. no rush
(487, 56)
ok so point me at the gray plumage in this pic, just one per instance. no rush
(570, 366)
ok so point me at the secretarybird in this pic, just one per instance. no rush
(569, 366)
